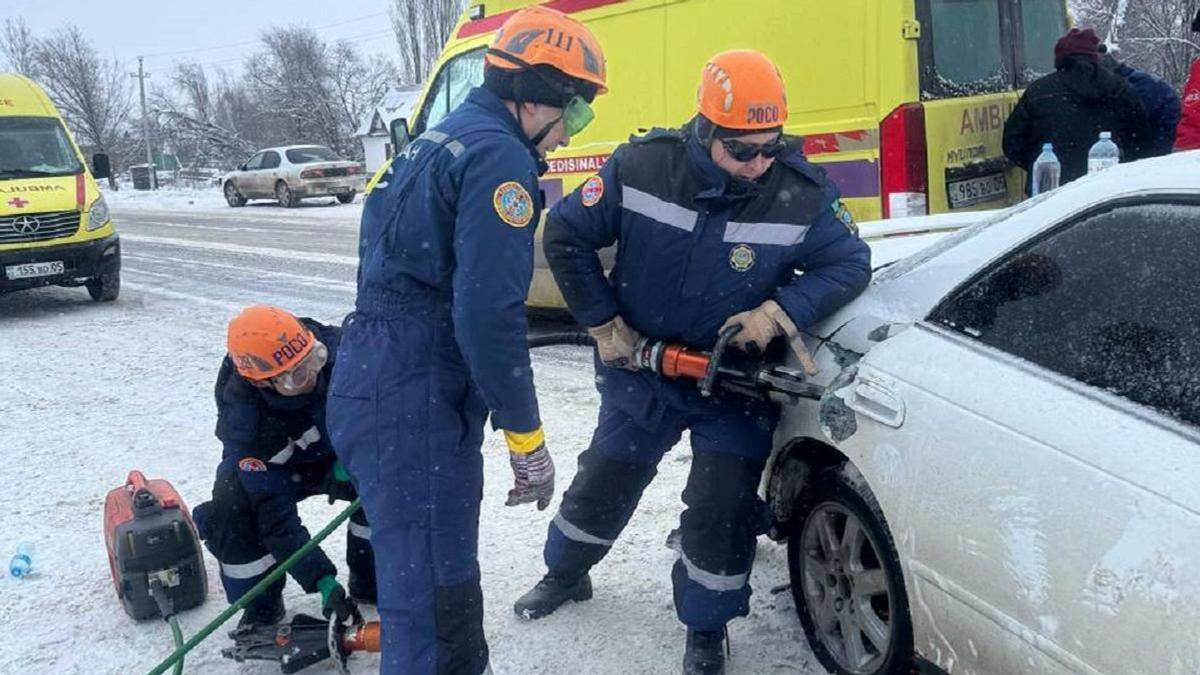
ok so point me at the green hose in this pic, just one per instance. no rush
(176, 657)
(174, 621)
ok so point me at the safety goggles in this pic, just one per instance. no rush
(744, 152)
(299, 378)
(576, 115)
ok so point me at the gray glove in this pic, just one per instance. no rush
(533, 478)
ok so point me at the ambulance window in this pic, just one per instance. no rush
(962, 52)
(1043, 22)
(454, 81)
(35, 146)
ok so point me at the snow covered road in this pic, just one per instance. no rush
(92, 391)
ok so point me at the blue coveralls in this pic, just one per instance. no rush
(694, 248)
(276, 453)
(437, 341)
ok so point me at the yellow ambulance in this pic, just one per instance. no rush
(903, 102)
(54, 225)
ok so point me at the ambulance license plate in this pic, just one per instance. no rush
(31, 270)
(962, 193)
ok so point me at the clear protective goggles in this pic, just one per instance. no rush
(299, 378)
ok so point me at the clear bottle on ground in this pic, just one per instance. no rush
(1104, 153)
(22, 561)
(1047, 171)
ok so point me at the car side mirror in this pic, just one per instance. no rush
(400, 134)
(100, 166)
(242, 166)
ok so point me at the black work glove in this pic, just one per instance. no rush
(337, 484)
(335, 602)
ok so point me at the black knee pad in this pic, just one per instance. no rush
(723, 516)
(461, 647)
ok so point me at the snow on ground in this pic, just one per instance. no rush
(92, 391)
(211, 200)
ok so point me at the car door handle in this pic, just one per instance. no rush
(878, 402)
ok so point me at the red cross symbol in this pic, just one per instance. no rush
(18, 202)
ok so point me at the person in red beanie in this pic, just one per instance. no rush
(1071, 106)
(1187, 136)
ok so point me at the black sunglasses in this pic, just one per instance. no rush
(744, 152)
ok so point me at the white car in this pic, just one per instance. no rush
(1004, 473)
(289, 174)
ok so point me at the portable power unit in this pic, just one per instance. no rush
(153, 549)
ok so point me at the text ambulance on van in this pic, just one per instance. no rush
(54, 225)
(903, 102)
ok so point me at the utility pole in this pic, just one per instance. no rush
(141, 75)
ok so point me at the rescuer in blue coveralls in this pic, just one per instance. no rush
(271, 421)
(712, 222)
(438, 338)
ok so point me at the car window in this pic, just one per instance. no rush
(1043, 22)
(962, 53)
(454, 81)
(270, 160)
(254, 163)
(315, 153)
(1109, 301)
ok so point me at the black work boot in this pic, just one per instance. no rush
(264, 611)
(705, 652)
(550, 593)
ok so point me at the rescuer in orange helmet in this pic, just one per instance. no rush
(712, 222)
(271, 421)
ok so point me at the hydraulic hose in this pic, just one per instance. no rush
(576, 338)
(176, 657)
(178, 635)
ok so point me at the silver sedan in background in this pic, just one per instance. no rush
(289, 174)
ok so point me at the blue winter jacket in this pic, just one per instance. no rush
(1163, 109)
(280, 447)
(695, 247)
(451, 223)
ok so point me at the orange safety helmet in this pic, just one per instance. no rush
(742, 89)
(543, 36)
(264, 341)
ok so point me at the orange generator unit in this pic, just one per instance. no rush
(153, 550)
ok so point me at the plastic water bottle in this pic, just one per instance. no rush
(1104, 153)
(22, 561)
(1047, 170)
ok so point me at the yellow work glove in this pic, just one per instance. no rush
(616, 342)
(533, 470)
(759, 326)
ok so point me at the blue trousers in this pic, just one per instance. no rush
(718, 528)
(407, 424)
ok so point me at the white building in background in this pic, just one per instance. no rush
(376, 140)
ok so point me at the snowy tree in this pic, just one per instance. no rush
(1153, 35)
(19, 47)
(422, 28)
(93, 95)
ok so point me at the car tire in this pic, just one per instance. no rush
(284, 194)
(232, 196)
(104, 288)
(847, 581)
(346, 198)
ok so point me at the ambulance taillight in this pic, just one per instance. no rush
(905, 167)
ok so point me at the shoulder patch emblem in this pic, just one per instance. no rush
(513, 204)
(592, 191)
(741, 258)
(843, 216)
(252, 464)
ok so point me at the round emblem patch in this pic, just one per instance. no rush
(592, 191)
(252, 464)
(513, 204)
(741, 258)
